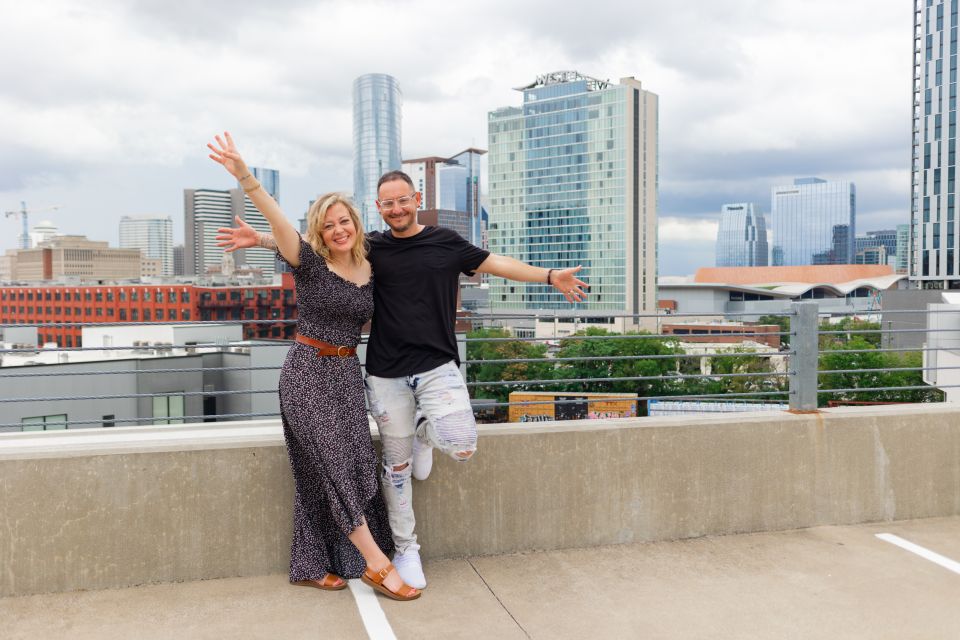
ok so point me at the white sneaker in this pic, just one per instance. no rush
(409, 567)
(422, 455)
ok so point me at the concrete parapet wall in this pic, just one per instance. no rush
(97, 509)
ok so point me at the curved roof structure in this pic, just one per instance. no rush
(794, 282)
(808, 274)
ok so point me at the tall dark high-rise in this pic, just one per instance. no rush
(933, 229)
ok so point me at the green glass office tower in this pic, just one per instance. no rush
(573, 180)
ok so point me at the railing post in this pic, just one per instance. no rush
(803, 363)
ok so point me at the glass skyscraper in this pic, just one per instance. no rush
(933, 255)
(573, 180)
(376, 140)
(741, 236)
(903, 248)
(153, 235)
(813, 222)
(451, 191)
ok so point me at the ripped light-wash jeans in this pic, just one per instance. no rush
(442, 399)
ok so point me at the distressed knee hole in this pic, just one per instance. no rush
(463, 456)
(398, 475)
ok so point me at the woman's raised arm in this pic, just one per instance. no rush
(286, 236)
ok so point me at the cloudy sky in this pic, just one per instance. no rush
(105, 105)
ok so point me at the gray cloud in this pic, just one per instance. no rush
(752, 92)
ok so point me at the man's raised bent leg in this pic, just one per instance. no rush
(445, 403)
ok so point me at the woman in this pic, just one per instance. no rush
(340, 522)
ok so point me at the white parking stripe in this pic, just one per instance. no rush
(372, 615)
(943, 561)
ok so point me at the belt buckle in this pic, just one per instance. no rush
(346, 352)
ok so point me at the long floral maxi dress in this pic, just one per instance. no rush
(326, 428)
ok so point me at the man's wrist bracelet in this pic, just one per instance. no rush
(249, 175)
(550, 276)
(252, 189)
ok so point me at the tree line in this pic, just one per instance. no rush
(601, 364)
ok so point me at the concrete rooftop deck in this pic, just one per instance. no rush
(824, 582)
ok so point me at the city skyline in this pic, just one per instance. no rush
(124, 135)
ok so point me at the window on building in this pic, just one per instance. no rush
(110, 296)
(133, 296)
(146, 315)
(123, 296)
(54, 422)
(134, 315)
(171, 296)
(146, 296)
(184, 296)
(168, 409)
(186, 315)
(123, 315)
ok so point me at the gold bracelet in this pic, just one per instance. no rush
(252, 189)
(245, 177)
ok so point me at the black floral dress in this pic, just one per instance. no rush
(326, 428)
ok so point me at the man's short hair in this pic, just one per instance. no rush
(390, 176)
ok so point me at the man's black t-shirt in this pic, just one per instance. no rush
(416, 280)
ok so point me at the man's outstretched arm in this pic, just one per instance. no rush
(563, 280)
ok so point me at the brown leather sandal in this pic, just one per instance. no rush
(329, 583)
(375, 579)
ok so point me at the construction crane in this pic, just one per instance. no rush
(24, 242)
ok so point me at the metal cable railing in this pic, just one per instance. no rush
(554, 374)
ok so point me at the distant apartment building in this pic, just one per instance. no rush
(813, 222)
(153, 236)
(933, 255)
(167, 303)
(178, 260)
(74, 257)
(887, 238)
(206, 210)
(451, 192)
(872, 255)
(377, 105)
(741, 236)
(902, 264)
(573, 181)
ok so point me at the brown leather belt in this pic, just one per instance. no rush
(325, 348)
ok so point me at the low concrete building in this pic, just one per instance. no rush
(75, 257)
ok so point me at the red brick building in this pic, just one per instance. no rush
(767, 334)
(92, 304)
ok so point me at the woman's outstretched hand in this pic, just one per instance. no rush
(228, 156)
(243, 236)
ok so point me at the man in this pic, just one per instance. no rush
(414, 387)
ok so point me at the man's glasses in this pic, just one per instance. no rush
(403, 201)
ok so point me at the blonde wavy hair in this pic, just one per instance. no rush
(318, 213)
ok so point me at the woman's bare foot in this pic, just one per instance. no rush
(393, 581)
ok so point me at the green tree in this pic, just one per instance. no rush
(748, 363)
(871, 369)
(853, 326)
(782, 321)
(602, 366)
(507, 350)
